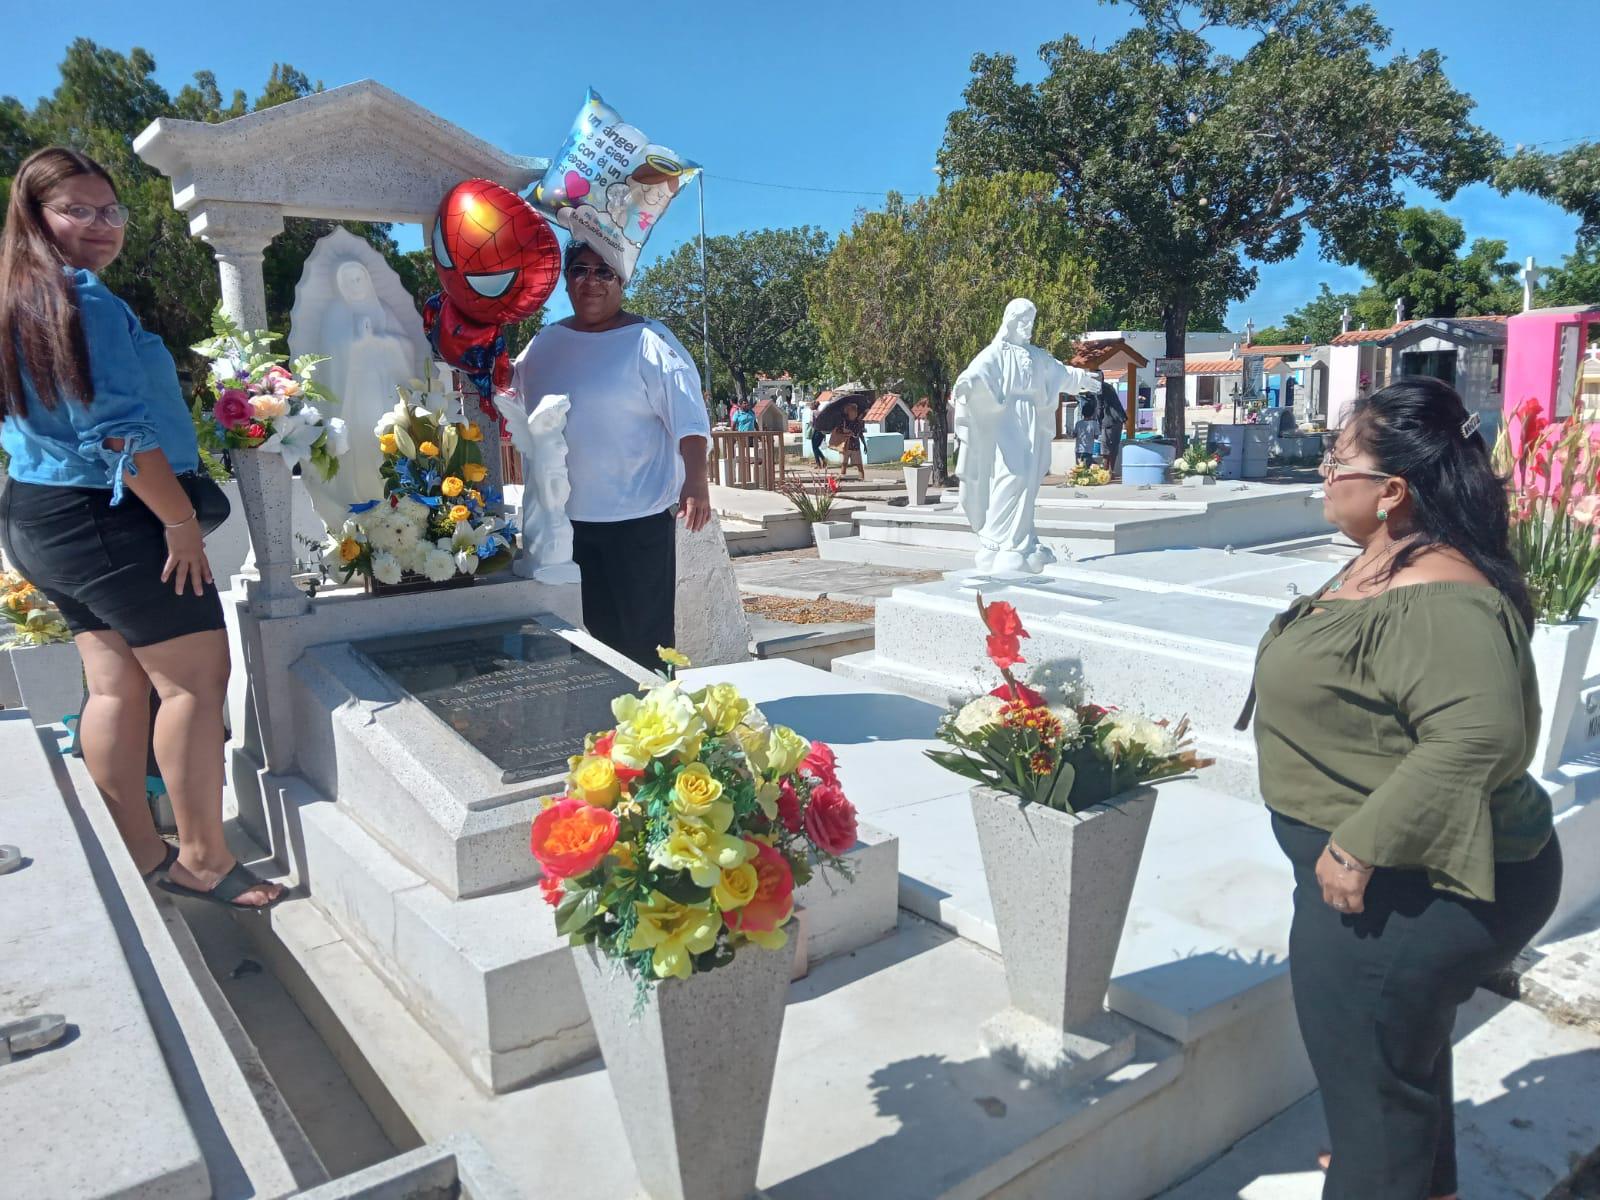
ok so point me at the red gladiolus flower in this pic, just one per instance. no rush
(1004, 651)
(1023, 692)
(256, 430)
(1002, 618)
(552, 890)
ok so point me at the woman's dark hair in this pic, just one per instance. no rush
(39, 325)
(1413, 429)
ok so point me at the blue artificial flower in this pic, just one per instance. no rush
(491, 495)
(431, 479)
(366, 506)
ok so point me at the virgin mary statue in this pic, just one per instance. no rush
(1005, 404)
(352, 307)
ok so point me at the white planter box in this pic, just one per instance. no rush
(693, 1073)
(827, 531)
(46, 680)
(1198, 480)
(1560, 657)
(1060, 884)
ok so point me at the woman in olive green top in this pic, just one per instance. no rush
(1396, 714)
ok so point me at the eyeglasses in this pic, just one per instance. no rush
(1333, 470)
(114, 215)
(599, 274)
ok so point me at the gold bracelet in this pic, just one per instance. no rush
(182, 523)
(1347, 863)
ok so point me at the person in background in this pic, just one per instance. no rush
(816, 435)
(1113, 422)
(744, 418)
(96, 516)
(636, 447)
(847, 438)
(1087, 431)
(1396, 713)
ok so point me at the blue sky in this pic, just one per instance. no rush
(845, 96)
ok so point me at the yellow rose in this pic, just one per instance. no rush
(474, 495)
(786, 749)
(701, 851)
(451, 486)
(475, 472)
(663, 723)
(754, 744)
(673, 933)
(388, 443)
(460, 513)
(672, 657)
(594, 781)
(697, 794)
(723, 707)
(349, 550)
(428, 450)
(737, 887)
(471, 432)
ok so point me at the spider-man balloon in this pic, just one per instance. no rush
(498, 262)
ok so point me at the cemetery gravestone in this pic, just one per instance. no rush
(520, 695)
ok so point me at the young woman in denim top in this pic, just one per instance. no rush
(96, 517)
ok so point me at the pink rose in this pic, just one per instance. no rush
(830, 819)
(789, 807)
(821, 764)
(274, 374)
(233, 408)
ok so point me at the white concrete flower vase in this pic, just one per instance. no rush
(46, 680)
(692, 1075)
(1560, 658)
(917, 479)
(265, 494)
(1060, 884)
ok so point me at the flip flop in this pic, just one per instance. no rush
(229, 888)
(165, 865)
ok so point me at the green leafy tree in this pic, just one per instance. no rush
(1570, 179)
(757, 315)
(1182, 161)
(913, 292)
(1575, 281)
(1414, 255)
(103, 101)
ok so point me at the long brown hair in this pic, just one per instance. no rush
(39, 325)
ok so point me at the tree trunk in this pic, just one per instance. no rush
(1176, 321)
(938, 406)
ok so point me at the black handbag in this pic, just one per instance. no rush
(211, 507)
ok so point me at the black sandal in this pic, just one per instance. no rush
(165, 865)
(229, 888)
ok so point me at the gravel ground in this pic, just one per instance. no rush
(806, 612)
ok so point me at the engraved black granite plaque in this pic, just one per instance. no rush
(520, 695)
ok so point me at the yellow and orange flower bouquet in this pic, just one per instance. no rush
(685, 830)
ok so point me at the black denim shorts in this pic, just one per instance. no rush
(101, 565)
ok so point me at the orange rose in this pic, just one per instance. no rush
(774, 899)
(571, 838)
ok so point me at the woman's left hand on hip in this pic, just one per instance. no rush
(1342, 889)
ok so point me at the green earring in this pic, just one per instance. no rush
(1383, 514)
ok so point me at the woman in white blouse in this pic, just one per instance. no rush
(636, 448)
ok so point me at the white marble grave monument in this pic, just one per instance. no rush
(1005, 402)
(351, 306)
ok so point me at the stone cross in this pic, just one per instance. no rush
(1530, 275)
(1344, 320)
(1250, 331)
(1400, 310)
